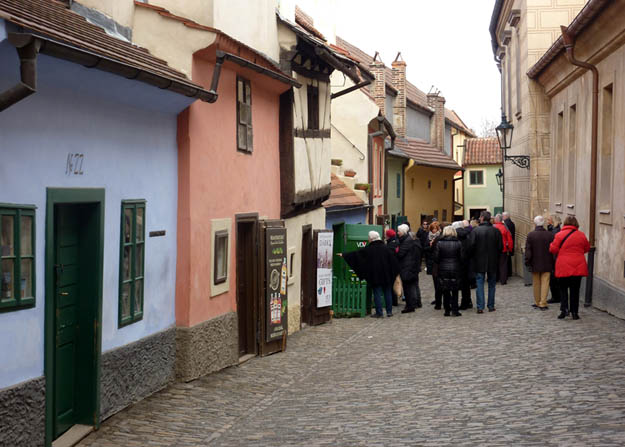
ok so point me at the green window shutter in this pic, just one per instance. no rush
(398, 185)
(17, 257)
(131, 262)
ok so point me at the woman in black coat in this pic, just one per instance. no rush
(448, 255)
(376, 264)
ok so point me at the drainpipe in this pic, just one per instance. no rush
(569, 45)
(27, 49)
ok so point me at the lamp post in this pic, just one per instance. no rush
(504, 135)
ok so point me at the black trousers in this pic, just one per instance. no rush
(465, 288)
(450, 300)
(503, 268)
(438, 293)
(554, 286)
(410, 291)
(569, 291)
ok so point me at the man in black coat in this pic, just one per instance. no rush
(540, 260)
(554, 225)
(512, 229)
(376, 264)
(409, 256)
(485, 246)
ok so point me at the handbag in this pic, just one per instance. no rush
(398, 288)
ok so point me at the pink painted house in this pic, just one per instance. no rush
(229, 190)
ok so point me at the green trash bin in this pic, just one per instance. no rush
(351, 297)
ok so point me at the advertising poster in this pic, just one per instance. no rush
(324, 268)
(276, 270)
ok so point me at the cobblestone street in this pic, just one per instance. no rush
(514, 377)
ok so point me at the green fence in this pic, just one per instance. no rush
(350, 298)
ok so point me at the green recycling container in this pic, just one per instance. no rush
(351, 297)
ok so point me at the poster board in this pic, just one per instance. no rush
(276, 280)
(325, 241)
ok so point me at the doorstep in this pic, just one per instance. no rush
(73, 436)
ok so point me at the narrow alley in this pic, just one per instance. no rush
(513, 377)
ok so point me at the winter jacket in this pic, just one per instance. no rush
(570, 259)
(485, 247)
(430, 265)
(537, 255)
(375, 263)
(465, 266)
(422, 235)
(409, 255)
(508, 243)
(393, 244)
(512, 229)
(448, 256)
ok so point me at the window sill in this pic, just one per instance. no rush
(12, 305)
(122, 324)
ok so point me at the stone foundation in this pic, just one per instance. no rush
(608, 298)
(207, 347)
(135, 371)
(22, 414)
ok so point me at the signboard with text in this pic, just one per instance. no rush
(276, 280)
(325, 241)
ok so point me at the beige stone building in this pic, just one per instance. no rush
(598, 36)
(521, 31)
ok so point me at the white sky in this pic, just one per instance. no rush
(445, 43)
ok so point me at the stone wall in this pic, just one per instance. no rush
(22, 414)
(207, 347)
(135, 371)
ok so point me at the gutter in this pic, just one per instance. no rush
(44, 45)
(27, 50)
(569, 46)
(223, 56)
(370, 138)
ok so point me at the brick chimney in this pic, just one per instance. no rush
(437, 121)
(399, 108)
(379, 84)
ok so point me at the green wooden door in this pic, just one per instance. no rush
(67, 327)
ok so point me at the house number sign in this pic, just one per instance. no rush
(73, 165)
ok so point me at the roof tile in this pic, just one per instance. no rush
(424, 154)
(482, 151)
(341, 195)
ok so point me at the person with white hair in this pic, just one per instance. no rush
(539, 260)
(376, 264)
(409, 256)
(507, 249)
(448, 256)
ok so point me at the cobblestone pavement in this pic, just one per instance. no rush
(517, 376)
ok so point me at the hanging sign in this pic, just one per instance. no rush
(276, 277)
(325, 241)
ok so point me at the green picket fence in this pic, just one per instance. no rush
(349, 298)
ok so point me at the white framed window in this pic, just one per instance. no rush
(476, 177)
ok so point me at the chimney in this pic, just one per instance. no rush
(437, 122)
(399, 109)
(379, 84)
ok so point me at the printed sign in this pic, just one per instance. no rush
(324, 268)
(276, 277)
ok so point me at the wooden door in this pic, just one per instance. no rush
(246, 286)
(76, 301)
(307, 292)
(67, 293)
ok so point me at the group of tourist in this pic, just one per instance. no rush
(469, 255)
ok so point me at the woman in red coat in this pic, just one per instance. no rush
(569, 246)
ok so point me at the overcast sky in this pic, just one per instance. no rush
(445, 43)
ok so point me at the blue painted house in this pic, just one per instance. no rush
(88, 204)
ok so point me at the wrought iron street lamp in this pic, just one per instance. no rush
(504, 135)
(499, 177)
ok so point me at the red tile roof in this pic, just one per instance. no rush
(413, 94)
(424, 154)
(481, 151)
(341, 195)
(306, 22)
(54, 20)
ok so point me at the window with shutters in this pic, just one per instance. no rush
(132, 258)
(244, 115)
(313, 107)
(17, 257)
